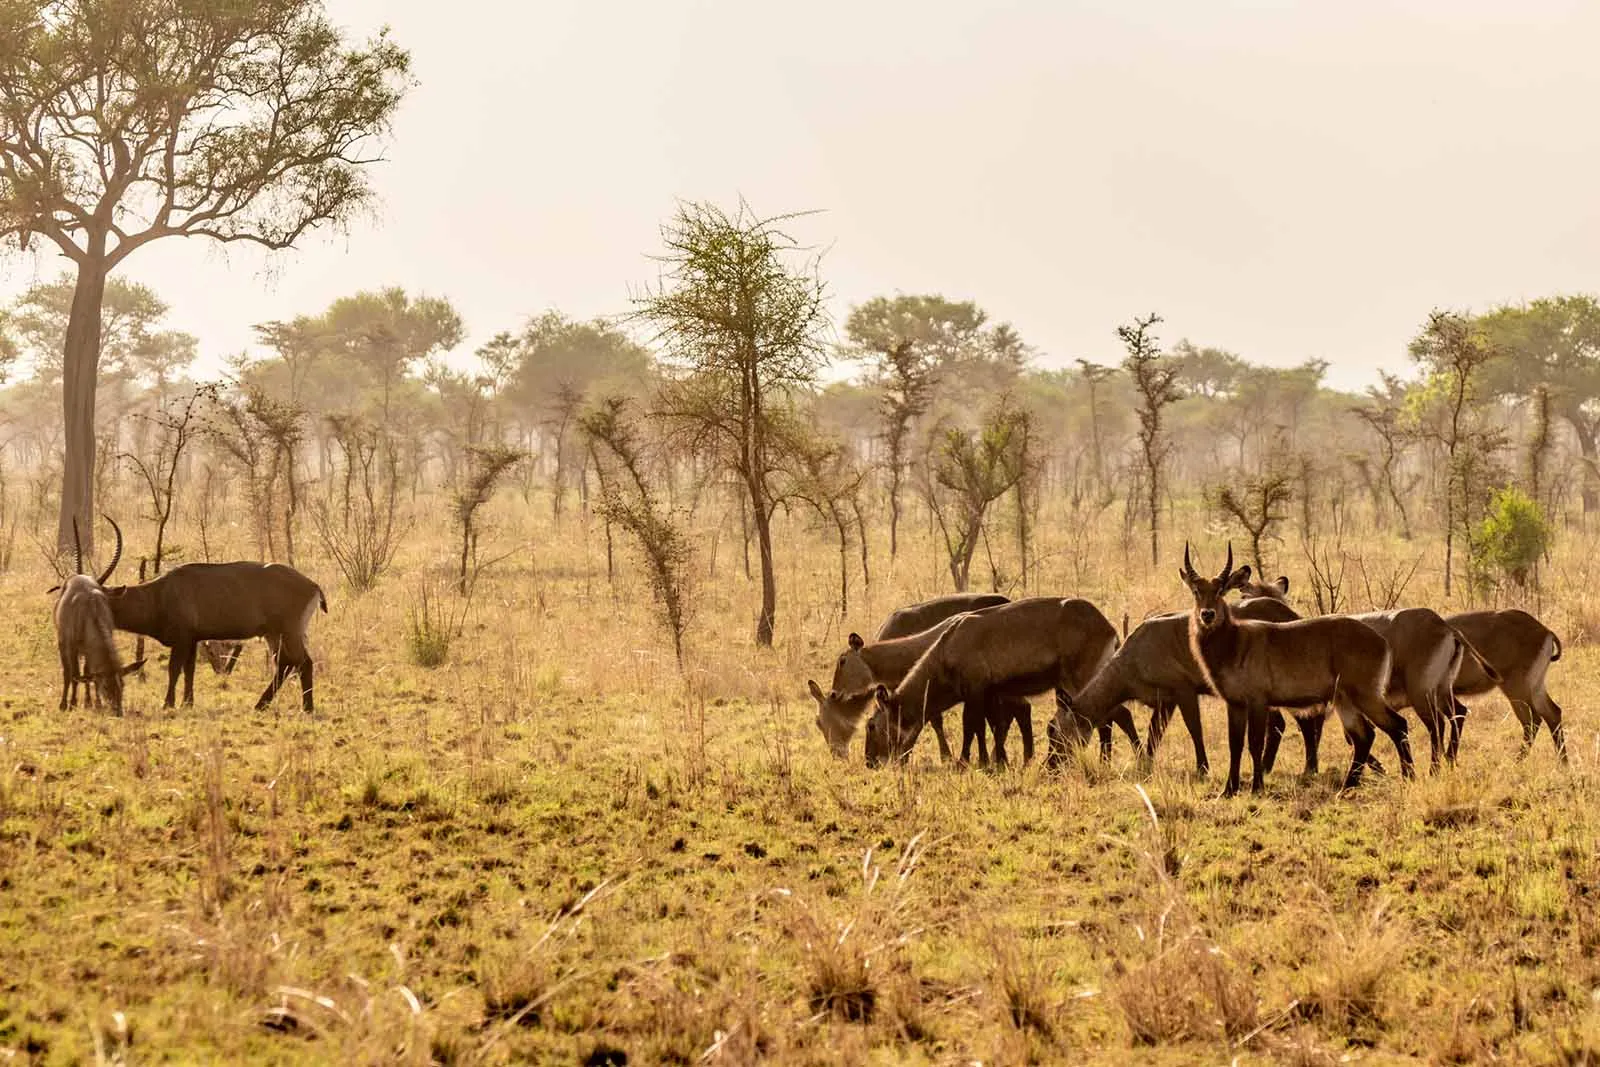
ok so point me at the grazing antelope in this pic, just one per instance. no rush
(1521, 649)
(223, 601)
(861, 666)
(887, 659)
(84, 636)
(997, 715)
(915, 618)
(1016, 650)
(1303, 664)
(1156, 667)
(1428, 654)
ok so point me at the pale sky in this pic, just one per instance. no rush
(1286, 180)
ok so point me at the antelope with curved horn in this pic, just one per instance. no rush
(1156, 667)
(223, 601)
(1297, 665)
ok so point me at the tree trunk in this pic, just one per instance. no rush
(1585, 431)
(80, 372)
(1155, 515)
(894, 506)
(769, 580)
(961, 562)
(844, 566)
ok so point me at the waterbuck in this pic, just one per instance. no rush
(1304, 664)
(223, 601)
(1427, 655)
(862, 666)
(1521, 649)
(915, 618)
(84, 635)
(1156, 667)
(1016, 650)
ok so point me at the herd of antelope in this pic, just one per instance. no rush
(990, 654)
(982, 651)
(197, 607)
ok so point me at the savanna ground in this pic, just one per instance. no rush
(554, 849)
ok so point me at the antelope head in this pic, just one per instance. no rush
(1210, 603)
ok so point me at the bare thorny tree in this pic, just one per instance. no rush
(628, 499)
(967, 474)
(1155, 379)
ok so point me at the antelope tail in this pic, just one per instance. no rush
(1484, 665)
(322, 600)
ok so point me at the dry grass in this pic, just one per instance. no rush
(554, 847)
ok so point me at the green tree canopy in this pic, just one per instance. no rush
(131, 341)
(1553, 343)
(389, 332)
(555, 354)
(123, 122)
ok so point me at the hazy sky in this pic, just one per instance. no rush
(1284, 180)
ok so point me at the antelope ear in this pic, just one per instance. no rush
(816, 691)
(881, 693)
(1283, 584)
(856, 642)
(1241, 576)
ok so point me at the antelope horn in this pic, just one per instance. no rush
(1228, 569)
(1188, 568)
(115, 556)
(77, 548)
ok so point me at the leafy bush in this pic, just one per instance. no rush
(1513, 536)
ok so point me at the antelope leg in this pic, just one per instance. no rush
(1311, 735)
(1189, 705)
(1025, 725)
(1275, 728)
(1256, 723)
(1236, 730)
(937, 722)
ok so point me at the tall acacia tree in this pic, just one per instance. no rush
(739, 314)
(126, 121)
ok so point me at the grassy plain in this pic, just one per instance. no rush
(553, 848)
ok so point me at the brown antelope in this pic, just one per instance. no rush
(1156, 667)
(84, 636)
(915, 618)
(1016, 650)
(1521, 649)
(1428, 654)
(860, 667)
(887, 659)
(223, 601)
(1298, 665)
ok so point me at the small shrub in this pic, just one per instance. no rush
(431, 628)
(1513, 536)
